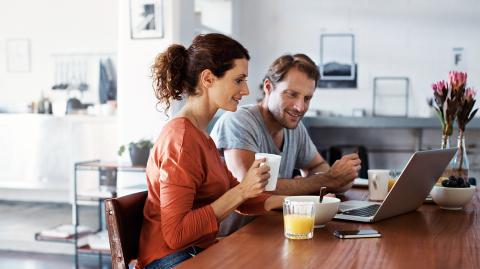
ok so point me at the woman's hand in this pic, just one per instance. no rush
(255, 180)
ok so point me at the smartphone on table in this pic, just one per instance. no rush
(368, 233)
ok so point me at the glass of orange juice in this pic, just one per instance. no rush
(391, 182)
(299, 219)
(394, 174)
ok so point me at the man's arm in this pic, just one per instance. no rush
(342, 172)
(317, 165)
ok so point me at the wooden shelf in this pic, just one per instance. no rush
(86, 249)
(69, 239)
(97, 164)
(40, 237)
(83, 246)
(95, 195)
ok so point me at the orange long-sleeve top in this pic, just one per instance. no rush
(184, 176)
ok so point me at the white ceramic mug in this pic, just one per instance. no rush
(59, 108)
(378, 184)
(273, 161)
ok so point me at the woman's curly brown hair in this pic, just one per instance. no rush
(175, 71)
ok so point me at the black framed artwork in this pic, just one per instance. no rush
(146, 19)
(337, 61)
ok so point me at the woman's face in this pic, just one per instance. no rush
(227, 91)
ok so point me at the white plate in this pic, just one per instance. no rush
(360, 182)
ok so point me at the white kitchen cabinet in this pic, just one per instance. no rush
(38, 152)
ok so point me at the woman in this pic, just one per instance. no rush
(190, 190)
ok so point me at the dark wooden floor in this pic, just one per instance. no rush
(25, 260)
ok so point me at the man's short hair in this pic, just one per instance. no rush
(280, 67)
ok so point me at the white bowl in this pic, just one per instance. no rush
(452, 198)
(324, 212)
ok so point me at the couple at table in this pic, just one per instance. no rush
(190, 189)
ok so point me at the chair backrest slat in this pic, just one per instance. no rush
(124, 222)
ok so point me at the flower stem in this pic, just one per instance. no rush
(461, 148)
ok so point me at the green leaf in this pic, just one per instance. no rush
(142, 143)
(439, 116)
(472, 115)
(121, 150)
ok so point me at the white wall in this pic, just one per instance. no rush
(137, 114)
(54, 26)
(138, 117)
(393, 38)
(215, 15)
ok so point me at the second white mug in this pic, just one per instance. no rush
(378, 184)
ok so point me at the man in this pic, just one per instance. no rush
(273, 126)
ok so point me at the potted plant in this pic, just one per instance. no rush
(139, 151)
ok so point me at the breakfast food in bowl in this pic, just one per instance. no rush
(453, 194)
(455, 182)
(324, 211)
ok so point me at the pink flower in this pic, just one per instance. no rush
(457, 79)
(440, 87)
(470, 94)
(454, 101)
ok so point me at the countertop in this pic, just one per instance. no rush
(378, 122)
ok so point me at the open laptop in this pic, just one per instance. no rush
(409, 192)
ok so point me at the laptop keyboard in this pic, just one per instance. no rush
(367, 211)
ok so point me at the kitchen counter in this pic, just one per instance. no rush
(379, 122)
(390, 141)
(39, 152)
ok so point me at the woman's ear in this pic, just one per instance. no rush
(206, 79)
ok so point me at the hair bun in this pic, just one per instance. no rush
(168, 73)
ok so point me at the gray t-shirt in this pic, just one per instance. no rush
(245, 129)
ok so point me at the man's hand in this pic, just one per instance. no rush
(344, 171)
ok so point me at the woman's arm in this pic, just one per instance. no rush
(274, 202)
(251, 186)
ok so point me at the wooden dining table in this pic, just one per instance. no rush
(429, 237)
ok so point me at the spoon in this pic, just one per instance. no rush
(323, 191)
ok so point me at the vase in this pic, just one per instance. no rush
(445, 141)
(459, 164)
(139, 155)
(448, 170)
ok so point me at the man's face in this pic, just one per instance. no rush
(290, 98)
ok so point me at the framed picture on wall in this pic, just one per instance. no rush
(18, 55)
(146, 19)
(391, 96)
(337, 61)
